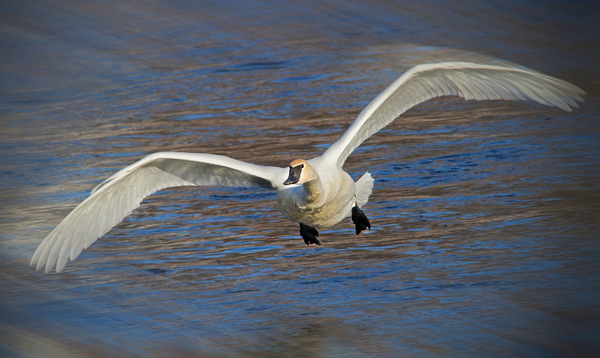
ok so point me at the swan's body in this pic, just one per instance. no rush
(327, 199)
(316, 193)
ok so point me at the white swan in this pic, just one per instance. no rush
(316, 193)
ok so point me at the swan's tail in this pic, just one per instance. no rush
(364, 188)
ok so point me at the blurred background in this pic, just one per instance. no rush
(485, 232)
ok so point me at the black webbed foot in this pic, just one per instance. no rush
(309, 234)
(360, 220)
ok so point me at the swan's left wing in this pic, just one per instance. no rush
(115, 198)
(463, 79)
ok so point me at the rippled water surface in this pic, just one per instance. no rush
(485, 235)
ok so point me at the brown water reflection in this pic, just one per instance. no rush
(485, 234)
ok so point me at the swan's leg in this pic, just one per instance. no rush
(309, 234)
(359, 219)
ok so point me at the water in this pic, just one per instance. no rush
(485, 215)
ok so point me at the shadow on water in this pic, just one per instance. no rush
(485, 235)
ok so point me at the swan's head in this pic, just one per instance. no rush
(300, 172)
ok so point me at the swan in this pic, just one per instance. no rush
(316, 193)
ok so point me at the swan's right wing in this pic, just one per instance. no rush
(119, 195)
(463, 79)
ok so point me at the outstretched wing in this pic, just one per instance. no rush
(463, 79)
(119, 195)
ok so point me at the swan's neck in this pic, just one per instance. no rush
(314, 190)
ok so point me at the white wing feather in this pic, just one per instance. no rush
(464, 79)
(119, 195)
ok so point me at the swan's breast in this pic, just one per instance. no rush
(320, 211)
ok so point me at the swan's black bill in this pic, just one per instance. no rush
(294, 176)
